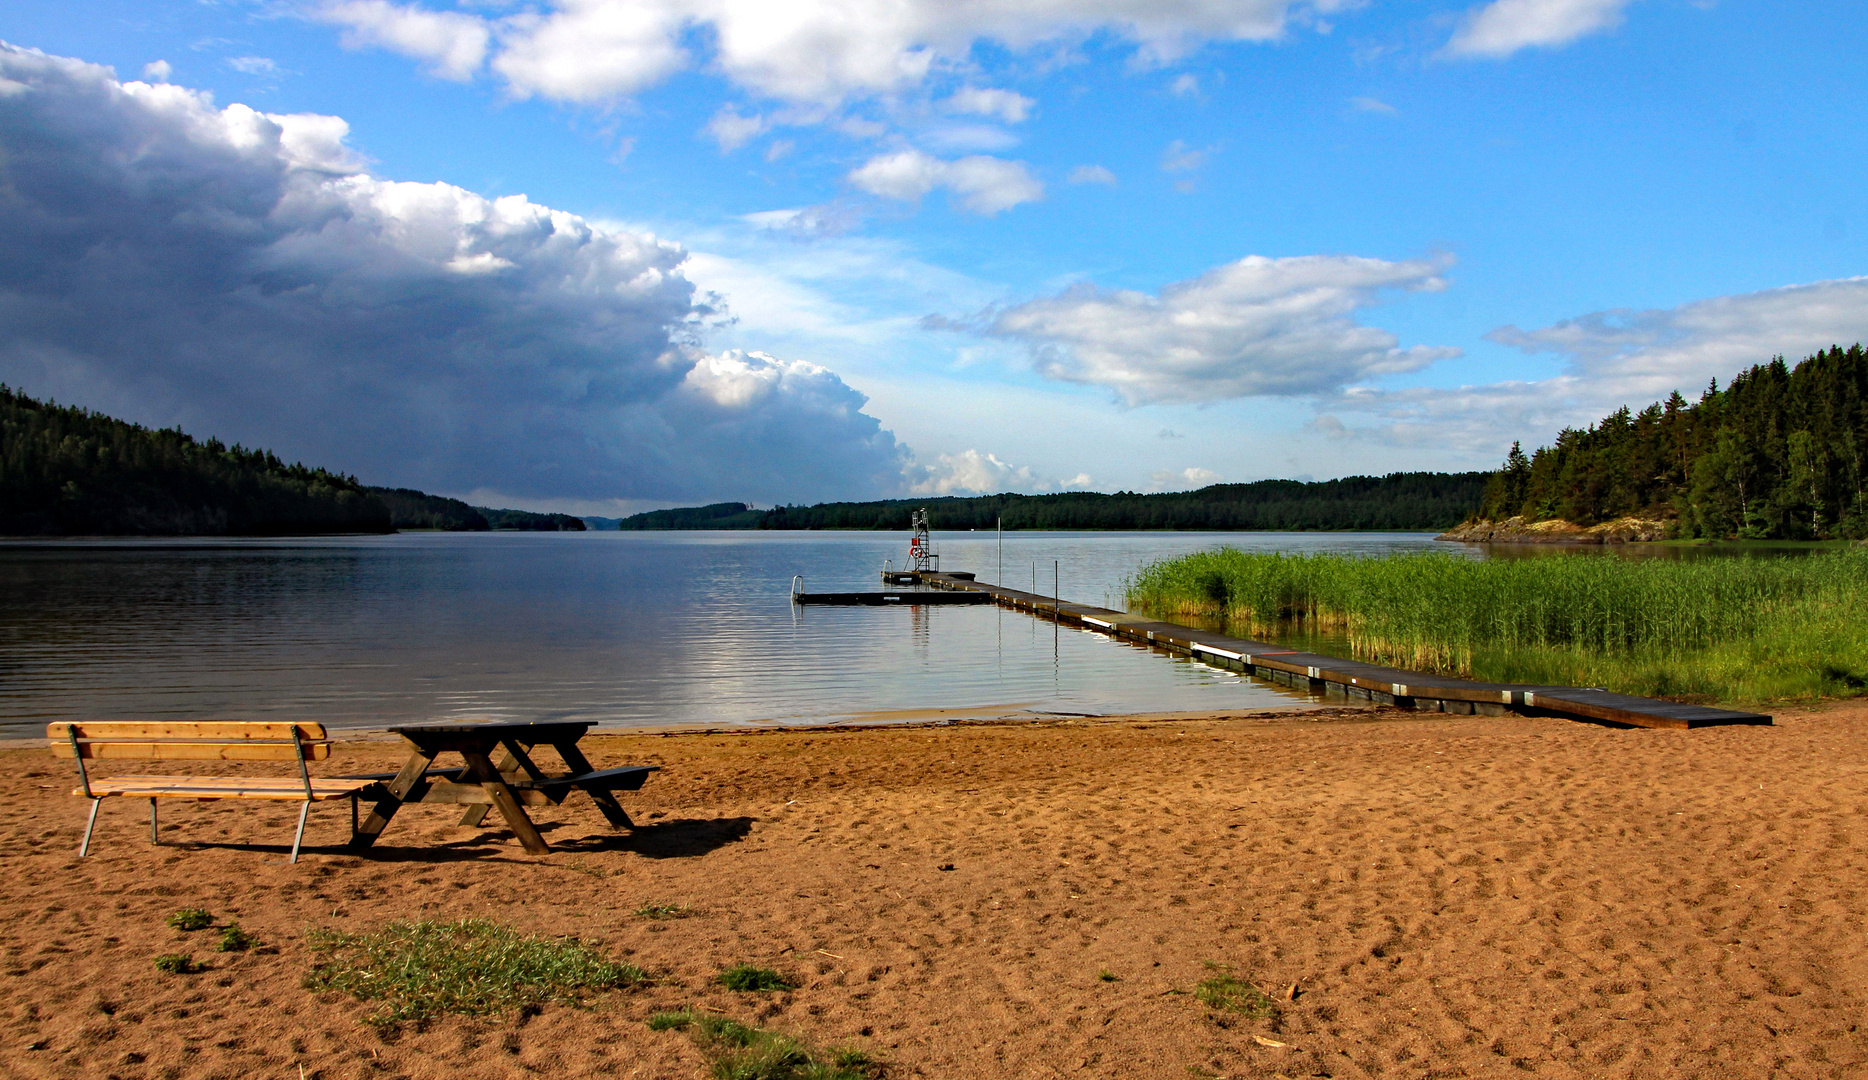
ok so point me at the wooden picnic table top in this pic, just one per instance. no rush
(483, 785)
(491, 732)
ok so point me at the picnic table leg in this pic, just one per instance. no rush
(605, 800)
(515, 758)
(364, 835)
(483, 772)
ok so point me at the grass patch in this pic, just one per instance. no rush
(748, 979)
(473, 967)
(1107, 975)
(189, 919)
(1729, 629)
(664, 911)
(743, 1052)
(1226, 992)
(177, 964)
(234, 939)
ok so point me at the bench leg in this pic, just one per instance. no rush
(152, 822)
(300, 837)
(84, 846)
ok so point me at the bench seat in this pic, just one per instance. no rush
(622, 778)
(224, 787)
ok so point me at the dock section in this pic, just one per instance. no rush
(1353, 679)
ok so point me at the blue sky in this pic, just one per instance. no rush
(940, 247)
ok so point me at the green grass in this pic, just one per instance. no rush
(177, 964)
(472, 967)
(1738, 629)
(743, 1052)
(190, 919)
(664, 911)
(746, 978)
(1225, 992)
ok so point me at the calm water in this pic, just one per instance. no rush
(616, 628)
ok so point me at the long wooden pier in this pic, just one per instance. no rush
(1352, 679)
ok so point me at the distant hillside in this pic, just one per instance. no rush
(1397, 501)
(527, 521)
(68, 471)
(727, 515)
(1780, 453)
(411, 509)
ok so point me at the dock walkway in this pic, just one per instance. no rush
(1352, 679)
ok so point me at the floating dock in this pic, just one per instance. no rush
(1349, 679)
(894, 598)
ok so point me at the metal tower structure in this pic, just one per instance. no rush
(921, 554)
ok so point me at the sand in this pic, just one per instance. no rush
(1427, 896)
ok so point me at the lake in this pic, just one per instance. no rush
(622, 629)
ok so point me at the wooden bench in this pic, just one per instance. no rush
(218, 740)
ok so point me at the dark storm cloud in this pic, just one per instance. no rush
(242, 275)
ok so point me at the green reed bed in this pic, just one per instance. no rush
(1695, 629)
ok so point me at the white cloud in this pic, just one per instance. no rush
(1255, 327)
(1372, 105)
(732, 131)
(1195, 477)
(1091, 174)
(984, 185)
(973, 473)
(960, 138)
(1616, 358)
(254, 65)
(1505, 26)
(1187, 85)
(1179, 157)
(453, 45)
(818, 52)
(238, 274)
(1004, 104)
(158, 71)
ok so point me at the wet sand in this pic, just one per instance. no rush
(1426, 896)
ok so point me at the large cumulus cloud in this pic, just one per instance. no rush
(243, 275)
(1255, 327)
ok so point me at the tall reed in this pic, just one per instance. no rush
(1699, 629)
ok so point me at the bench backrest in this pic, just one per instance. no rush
(192, 740)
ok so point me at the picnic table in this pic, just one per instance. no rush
(509, 786)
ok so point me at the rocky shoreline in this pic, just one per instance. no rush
(1628, 530)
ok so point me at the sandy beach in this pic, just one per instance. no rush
(1424, 895)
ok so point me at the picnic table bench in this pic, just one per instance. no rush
(510, 786)
(205, 740)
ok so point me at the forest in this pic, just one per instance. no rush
(1780, 453)
(72, 472)
(68, 471)
(411, 509)
(1392, 502)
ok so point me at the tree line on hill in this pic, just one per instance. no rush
(68, 471)
(1398, 501)
(411, 509)
(1780, 453)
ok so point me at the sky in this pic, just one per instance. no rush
(609, 255)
